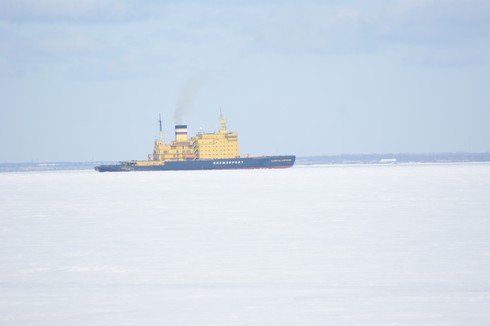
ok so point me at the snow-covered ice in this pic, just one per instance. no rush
(330, 245)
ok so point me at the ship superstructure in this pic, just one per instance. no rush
(204, 151)
(222, 144)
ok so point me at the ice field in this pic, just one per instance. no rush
(325, 245)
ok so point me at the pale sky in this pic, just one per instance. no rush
(85, 80)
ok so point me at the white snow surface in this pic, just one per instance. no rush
(329, 245)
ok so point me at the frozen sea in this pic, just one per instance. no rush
(319, 245)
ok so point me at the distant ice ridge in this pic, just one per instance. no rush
(394, 158)
(50, 166)
(333, 245)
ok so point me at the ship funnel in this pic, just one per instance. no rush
(180, 133)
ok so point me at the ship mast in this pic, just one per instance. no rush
(222, 123)
(161, 132)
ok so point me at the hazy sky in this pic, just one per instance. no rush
(86, 79)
